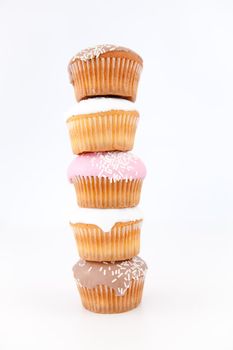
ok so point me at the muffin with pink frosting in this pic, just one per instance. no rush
(107, 179)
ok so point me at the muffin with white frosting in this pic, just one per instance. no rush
(102, 124)
(105, 70)
(110, 287)
(107, 235)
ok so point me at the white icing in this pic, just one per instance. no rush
(105, 218)
(100, 104)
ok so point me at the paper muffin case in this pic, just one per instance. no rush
(104, 131)
(105, 76)
(121, 243)
(100, 192)
(103, 299)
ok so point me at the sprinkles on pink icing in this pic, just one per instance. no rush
(115, 166)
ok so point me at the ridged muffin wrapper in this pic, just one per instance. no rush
(122, 242)
(112, 130)
(103, 299)
(102, 192)
(105, 76)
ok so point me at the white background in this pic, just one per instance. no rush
(184, 137)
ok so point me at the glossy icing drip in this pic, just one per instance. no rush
(105, 219)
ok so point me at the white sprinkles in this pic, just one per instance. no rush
(115, 165)
(94, 52)
(116, 275)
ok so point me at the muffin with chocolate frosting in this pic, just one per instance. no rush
(105, 70)
(110, 287)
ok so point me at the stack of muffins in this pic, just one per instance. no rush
(107, 178)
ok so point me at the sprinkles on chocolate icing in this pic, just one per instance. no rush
(94, 52)
(90, 274)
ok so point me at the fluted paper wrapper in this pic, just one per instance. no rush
(105, 76)
(103, 299)
(121, 243)
(101, 192)
(104, 131)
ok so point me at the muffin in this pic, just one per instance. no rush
(105, 70)
(110, 287)
(102, 124)
(107, 179)
(107, 234)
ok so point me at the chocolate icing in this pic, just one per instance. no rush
(117, 275)
(92, 52)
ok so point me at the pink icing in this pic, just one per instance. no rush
(113, 165)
